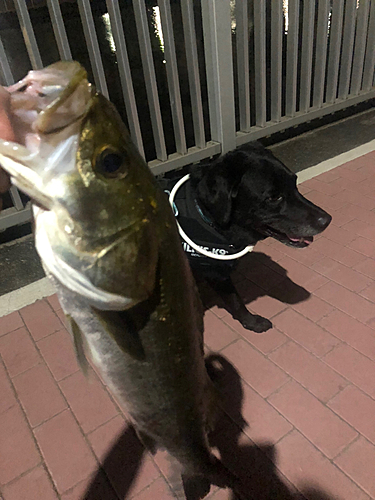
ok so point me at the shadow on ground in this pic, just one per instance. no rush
(254, 465)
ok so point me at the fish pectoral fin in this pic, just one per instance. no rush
(121, 326)
(78, 342)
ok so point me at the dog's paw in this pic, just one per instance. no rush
(257, 324)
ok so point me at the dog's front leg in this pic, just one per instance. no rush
(236, 307)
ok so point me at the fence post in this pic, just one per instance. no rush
(216, 15)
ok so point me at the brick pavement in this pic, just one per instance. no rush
(308, 385)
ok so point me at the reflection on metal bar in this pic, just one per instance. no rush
(219, 67)
(93, 46)
(172, 75)
(242, 48)
(193, 71)
(359, 46)
(16, 198)
(150, 78)
(59, 30)
(334, 49)
(276, 59)
(12, 217)
(321, 52)
(6, 72)
(125, 73)
(292, 58)
(368, 72)
(28, 34)
(300, 117)
(260, 61)
(347, 47)
(307, 53)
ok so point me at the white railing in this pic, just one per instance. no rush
(194, 78)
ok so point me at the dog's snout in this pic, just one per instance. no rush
(324, 221)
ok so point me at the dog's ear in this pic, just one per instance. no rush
(217, 185)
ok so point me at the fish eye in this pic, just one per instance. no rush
(109, 163)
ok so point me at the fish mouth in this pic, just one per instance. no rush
(46, 108)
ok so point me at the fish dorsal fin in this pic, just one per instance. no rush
(78, 342)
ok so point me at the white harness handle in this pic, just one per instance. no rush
(197, 248)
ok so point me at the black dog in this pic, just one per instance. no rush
(239, 199)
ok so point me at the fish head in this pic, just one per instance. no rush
(95, 198)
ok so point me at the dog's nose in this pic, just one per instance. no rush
(324, 221)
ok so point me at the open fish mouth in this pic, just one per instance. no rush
(46, 107)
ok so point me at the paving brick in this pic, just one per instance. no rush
(304, 332)
(338, 234)
(217, 334)
(319, 424)
(89, 400)
(356, 367)
(7, 399)
(265, 424)
(341, 274)
(363, 229)
(123, 458)
(346, 256)
(363, 245)
(54, 302)
(270, 251)
(353, 176)
(351, 331)
(313, 308)
(328, 176)
(60, 313)
(325, 201)
(306, 256)
(67, 455)
(94, 487)
(322, 187)
(10, 322)
(369, 292)
(340, 219)
(355, 198)
(18, 352)
(302, 275)
(307, 468)
(39, 394)
(35, 485)
(40, 319)
(347, 301)
(357, 409)
(18, 452)
(265, 342)
(366, 267)
(309, 371)
(263, 276)
(57, 351)
(158, 489)
(358, 463)
(260, 373)
(365, 187)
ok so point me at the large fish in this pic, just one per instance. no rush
(107, 237)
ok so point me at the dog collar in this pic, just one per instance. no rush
(196, 247)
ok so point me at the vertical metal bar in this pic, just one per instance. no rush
(219, 67)
(276, 59)
(334, 49)
(4, 66)
(359, 46)
(307, 53)
(59, 29)
(347, 47)
(16, 198)
(260, 61)
(368, 71)
(292, 58)
(150, 78)
(93, 46)
(321, 52)
(125, 73)
(28, 34)
(242, 48)
(193, 72)
(172, 75)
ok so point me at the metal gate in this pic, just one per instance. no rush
(193, 78)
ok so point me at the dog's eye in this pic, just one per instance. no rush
(275, 199)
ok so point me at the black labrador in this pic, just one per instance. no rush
(237, 200)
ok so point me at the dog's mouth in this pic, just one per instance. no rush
(288, 239)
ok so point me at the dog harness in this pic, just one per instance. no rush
(201, 240)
